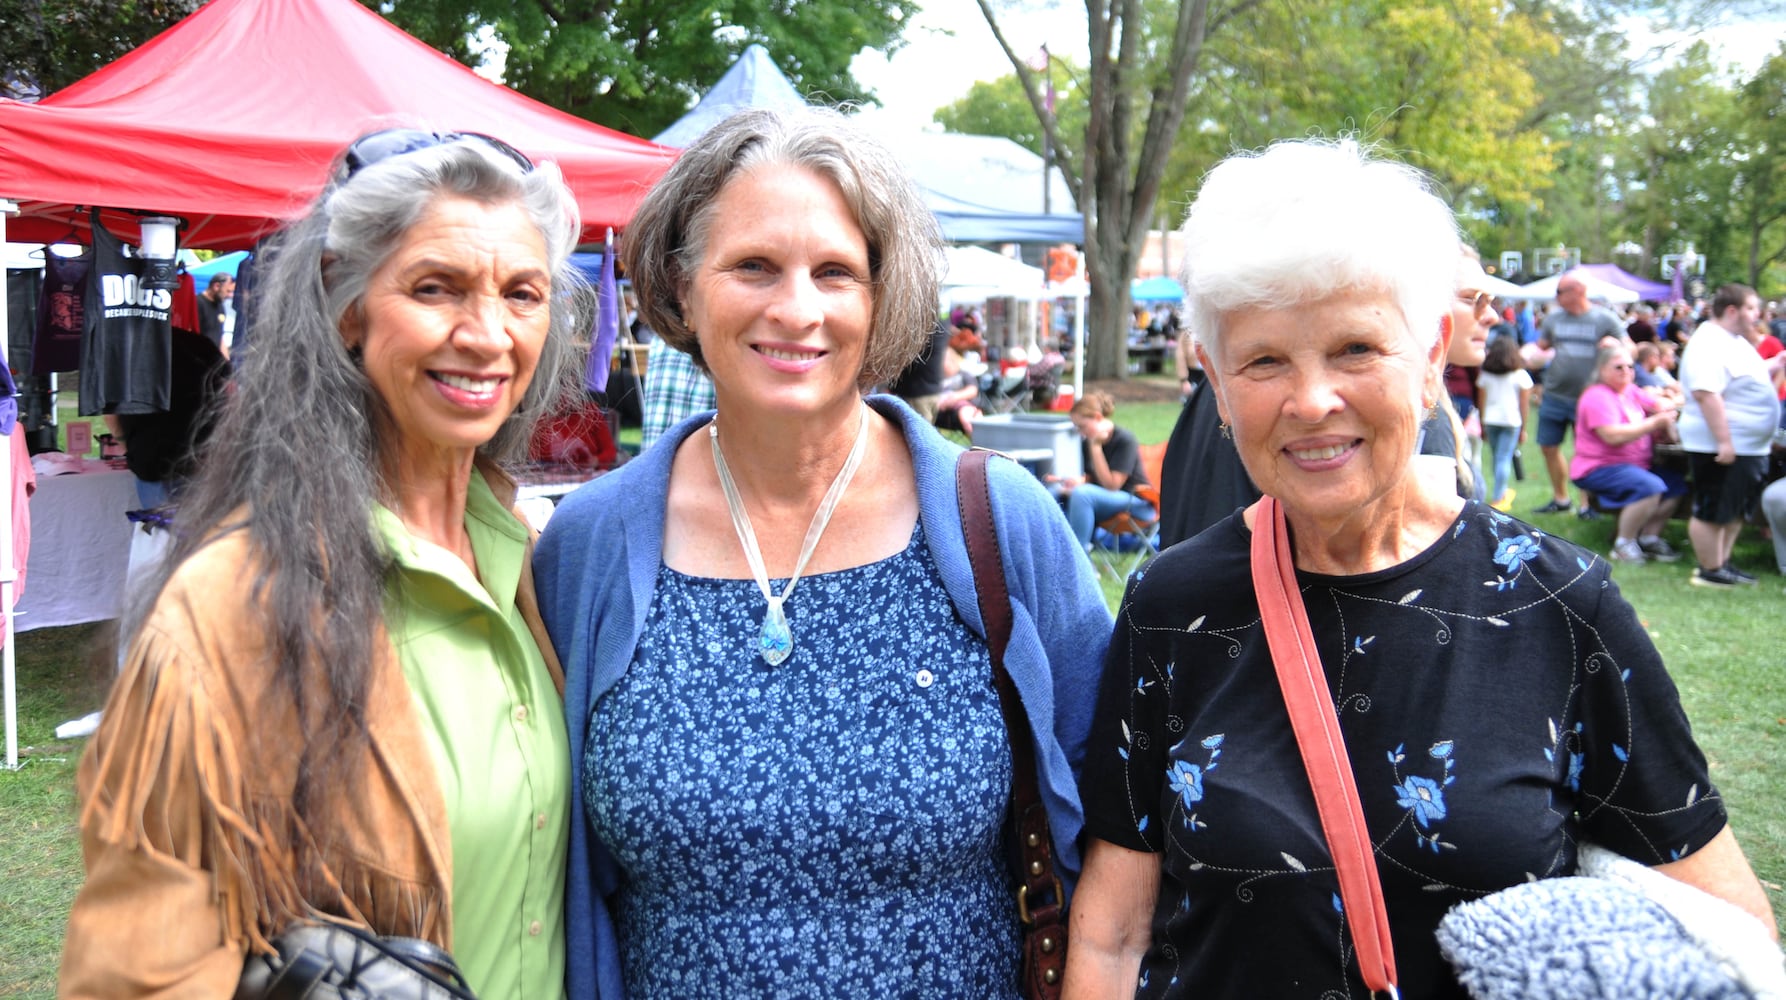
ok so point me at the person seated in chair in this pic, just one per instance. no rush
(1615, 421)
(959, 405)
(1113, 470)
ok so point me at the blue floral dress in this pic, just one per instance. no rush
(1499, 701)
(832, 826)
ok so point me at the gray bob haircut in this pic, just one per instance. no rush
(1302, 220)
(664, 244)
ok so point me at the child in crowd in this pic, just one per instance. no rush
(1506, 392)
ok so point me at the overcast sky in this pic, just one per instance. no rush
(949, 47)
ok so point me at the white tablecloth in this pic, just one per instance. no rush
(80, 548)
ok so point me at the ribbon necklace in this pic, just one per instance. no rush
(776, 641)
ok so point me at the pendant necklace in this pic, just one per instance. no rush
(776, 641)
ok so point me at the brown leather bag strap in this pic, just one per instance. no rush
(1323, 747)
(1041, 902)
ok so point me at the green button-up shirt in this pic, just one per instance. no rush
(489, 710)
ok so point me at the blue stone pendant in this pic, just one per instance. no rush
(776, 641)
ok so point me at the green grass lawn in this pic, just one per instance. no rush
(1719, 645)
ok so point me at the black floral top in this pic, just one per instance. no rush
(1500, 702)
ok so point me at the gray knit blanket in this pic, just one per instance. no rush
(1615, 931)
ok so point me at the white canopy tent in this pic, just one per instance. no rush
(975, 274)
(975, 271)
(1500, 288)
(1545, 289)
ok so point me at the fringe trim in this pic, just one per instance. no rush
(167, 777)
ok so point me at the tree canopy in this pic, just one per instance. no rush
(49, 44)
(637, 65)
(1541, 121)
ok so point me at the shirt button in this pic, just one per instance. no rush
(520, 713)
(926, 678)
(539, 822)
(533, 929)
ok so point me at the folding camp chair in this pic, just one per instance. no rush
(1005, 391)
(1128, 542)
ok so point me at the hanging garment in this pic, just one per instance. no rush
(57, 346)
(238, 337)
(126, 352)
(24, 483)
(185, 311)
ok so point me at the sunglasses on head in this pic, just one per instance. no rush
(376, 147)
(1477, 301)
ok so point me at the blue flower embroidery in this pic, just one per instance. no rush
(1516, 551)
(1575, 762)
(1186, 779)
(1422, 795)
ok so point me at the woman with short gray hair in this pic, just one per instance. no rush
(1497, 700)
(337, 678)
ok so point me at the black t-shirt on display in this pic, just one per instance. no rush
(126, 355)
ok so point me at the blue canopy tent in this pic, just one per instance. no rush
(754, 81)
(983, 189)
(1156, 289)
(965, 222)
(223, 264)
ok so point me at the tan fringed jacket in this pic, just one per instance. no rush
(185, 797)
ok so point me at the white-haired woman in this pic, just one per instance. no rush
(336, 698)
(1499, 702)
(802, 792)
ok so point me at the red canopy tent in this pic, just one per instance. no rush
(230, 119)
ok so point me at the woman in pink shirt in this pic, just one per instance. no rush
(1614, 424)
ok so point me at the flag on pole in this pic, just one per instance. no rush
(607, 322)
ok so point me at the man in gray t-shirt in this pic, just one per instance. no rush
(1574, 331)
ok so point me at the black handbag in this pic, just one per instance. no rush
(321, 960)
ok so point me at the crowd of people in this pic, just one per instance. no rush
(730, 725)
(1688, 408)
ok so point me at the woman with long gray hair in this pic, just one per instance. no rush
(336, 696)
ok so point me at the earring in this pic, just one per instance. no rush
(1227, 432)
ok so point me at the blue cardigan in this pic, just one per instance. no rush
(596, 569)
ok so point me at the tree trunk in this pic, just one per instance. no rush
(1107, 321)
(1117, 182)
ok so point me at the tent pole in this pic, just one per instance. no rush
(1079, 337)
(7, 573)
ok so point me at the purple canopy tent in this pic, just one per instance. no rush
(1612, 274)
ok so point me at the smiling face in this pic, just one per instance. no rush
(1325, 399)
(781, 300)
(451, 327)
(1472, 314)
